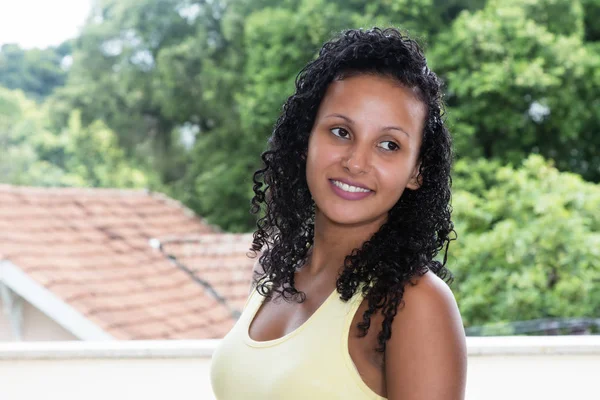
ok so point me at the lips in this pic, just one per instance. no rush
(351, 183)
(348, 195)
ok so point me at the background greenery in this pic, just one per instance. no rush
(179, 96)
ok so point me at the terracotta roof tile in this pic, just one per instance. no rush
(220, 259)
(91, 248)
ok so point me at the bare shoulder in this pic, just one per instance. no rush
(426, 355)
(429, 296)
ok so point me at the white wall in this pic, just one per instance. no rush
(515, 368)
(36, 326)
(546, 367)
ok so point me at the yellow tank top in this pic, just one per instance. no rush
(310, 363)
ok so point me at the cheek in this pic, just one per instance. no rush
(310, 156)
(319, 156)
(312, 162)
(394, 179)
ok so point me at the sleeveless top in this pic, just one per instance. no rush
(312, 362)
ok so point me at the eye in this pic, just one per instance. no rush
(389, 145)
(344, 134)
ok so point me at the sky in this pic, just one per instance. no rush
(41, 23)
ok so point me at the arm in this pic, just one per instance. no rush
(426, 355)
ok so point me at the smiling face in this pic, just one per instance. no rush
(363, 149)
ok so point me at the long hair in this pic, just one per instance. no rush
(419, 224)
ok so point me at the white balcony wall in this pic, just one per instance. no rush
(501, 368)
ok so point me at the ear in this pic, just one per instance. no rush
(416, 179)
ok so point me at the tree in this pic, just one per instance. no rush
(193, 88)
(133, 71)
(37, 72)
(528, 242)
(212, 72)
(521, 79)
(21, 126)
(77, 156)
(92, 157)
(591, 9)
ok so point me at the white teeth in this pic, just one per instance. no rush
(348, 188)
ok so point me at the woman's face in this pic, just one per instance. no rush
(363, 149)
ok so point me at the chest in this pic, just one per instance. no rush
(278, 318)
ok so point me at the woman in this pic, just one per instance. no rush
(348, 301)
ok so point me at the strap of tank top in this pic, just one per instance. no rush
(352, 306)
(252, 294)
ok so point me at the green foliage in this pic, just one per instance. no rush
(150, 69)
(94, 158)
(20, 162)
(528, 242)
(77, 156)
(280, 41)
(36, 72)
(138, 66)
(218, 183)
(522, 79)
(591, 11)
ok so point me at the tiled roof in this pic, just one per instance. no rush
(91, 248)
(221, 259)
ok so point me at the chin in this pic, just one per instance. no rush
(348, 220)
(350, 217)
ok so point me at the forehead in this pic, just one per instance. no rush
(374, 99)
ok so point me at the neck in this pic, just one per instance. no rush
(334, 241)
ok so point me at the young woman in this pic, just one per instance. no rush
(349, 302)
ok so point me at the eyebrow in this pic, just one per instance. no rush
(351, 122)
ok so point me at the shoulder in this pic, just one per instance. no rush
(426, 355)
(427, 297)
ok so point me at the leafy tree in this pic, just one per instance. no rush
(37, 72)
(136, 67)
(93, 158)
(192, 88)
(214, 72)
(20, 163)
(591, 9)
(77, 156)
(528, 242)
(521, 79)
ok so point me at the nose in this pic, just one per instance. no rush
(358, 160)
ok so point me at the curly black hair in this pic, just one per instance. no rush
(418, 226)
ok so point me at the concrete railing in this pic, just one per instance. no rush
(514, 367)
